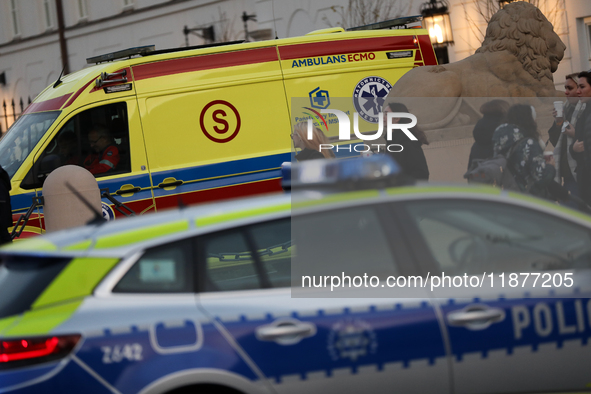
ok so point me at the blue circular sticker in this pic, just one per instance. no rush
(369, 96)
(108, 213)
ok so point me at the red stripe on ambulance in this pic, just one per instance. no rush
(340, 47)
(204, 62)
(427, 50)
(48, 105)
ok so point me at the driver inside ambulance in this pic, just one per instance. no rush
(105, 155)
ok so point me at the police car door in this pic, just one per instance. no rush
(506, 336)
(321, 344)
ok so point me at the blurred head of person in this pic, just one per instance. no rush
(584, 87)
(99, 138)
(495, 108)
(300, 139)
(66, 144)
(523, 116)
(399, 107)
(571, 86)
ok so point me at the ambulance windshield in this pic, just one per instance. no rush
(22, 137)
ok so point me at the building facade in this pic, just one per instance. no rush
(31, 55)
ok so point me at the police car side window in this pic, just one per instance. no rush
(229, 262)
(274, 249)
(350, 241)
(164, 269)
(475, 236)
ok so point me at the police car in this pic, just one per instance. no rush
(199, 299)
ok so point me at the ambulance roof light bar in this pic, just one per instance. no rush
(406, 22)
(141, 51)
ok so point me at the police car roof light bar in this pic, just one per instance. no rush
(140, 51)
(349, 174)
(406, 22)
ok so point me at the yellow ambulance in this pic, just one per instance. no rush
(196, 124)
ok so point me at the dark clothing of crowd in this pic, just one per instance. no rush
(583, 133)
(411, 159)
(308, 154)
(525, 160)
(483, 133)
(5, 207)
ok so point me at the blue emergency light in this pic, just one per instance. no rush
(355, 173)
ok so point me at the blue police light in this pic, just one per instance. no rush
(357, 173)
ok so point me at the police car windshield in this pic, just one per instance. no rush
(22, 137)
(23, 279)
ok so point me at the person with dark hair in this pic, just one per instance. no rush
(494, 113)
(5, 207)
(412, 158)
(519, 141)
(581, 148)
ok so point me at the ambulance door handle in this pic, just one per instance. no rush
(170, 183)
(477, 317)
(128, 189)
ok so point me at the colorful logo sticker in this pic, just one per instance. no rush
(108, 213)
(351, 339)
(369, 96)
(319, 98)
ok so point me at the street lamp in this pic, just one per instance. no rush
(436, 21)
(245, 18)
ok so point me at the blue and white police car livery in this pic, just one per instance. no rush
(199, 299)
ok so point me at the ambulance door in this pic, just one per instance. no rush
(216, 126)
(509, 335)
(16, 157)
(352, 75)
(107, 140)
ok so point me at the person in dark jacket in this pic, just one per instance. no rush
(5, 207)
(494, 113)
(412, 158)
(310, 149)
(520, 142)
(562, 134)
(581, 148)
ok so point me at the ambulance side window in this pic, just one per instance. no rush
(96, 139)
(476, 236)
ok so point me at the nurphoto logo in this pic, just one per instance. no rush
(345, 131)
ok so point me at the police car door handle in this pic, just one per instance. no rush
(476, 316)
(285, 332)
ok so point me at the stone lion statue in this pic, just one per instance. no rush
(517, 58)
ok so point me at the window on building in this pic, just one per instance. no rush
(82, 10)
(588, 36)
(48, 14)
(16, 29)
